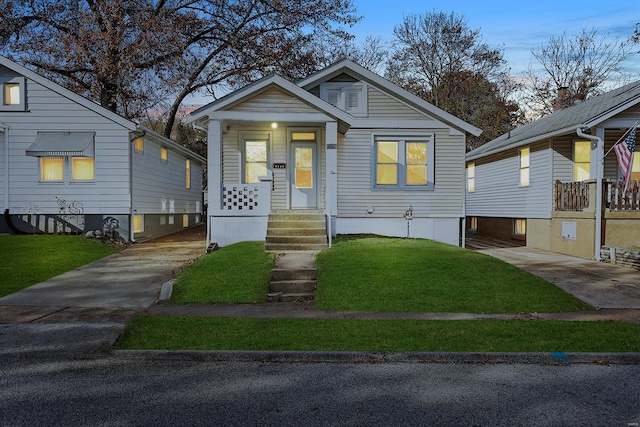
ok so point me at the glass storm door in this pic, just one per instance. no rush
(304, 191)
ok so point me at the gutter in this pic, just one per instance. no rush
(6, 164)
(599, 177)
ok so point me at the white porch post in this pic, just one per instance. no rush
(214, 172)
(331, 170)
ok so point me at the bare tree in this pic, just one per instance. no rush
(574, 67)
(130, 55)
(441, 59)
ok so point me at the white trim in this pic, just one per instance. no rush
(269, 117)
(262, 85)
(362, 73)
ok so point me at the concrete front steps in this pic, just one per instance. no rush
(293, 277)
(296, 230)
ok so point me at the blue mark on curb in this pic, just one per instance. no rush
(560, 355)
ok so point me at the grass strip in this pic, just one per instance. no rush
(415, 275)
(236, 273)
(215, 333)
(30, 259)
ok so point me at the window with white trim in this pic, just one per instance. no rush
(520, 227)
(524, 155)
(52, 168)
(13, 94)
(349, 97)
(403, 162)
(255, 156)
(471, 177)
(187, 166)
(82, 169)
(581, 160)
(138, 145)
(138, 223)
(473, 224)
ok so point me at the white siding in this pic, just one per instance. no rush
(49, 111)
(355, 188)
(155, 181)
(276, 101)
(497, 186)
(383, 106)
(232, 154)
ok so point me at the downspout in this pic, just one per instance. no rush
(599, 177)
(6, 165)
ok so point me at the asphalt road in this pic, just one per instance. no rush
(113, 391)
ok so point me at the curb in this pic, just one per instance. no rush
(356, 357)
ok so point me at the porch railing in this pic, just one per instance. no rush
(571, 196)
(574, 196)
(246, 199)
(619, 202)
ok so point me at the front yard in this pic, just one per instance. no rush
(381, 274)
(30, 259)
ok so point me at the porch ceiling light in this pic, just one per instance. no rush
(274, 125)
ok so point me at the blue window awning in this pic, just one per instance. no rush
(63, 144)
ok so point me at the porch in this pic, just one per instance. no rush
(581, 196)
(573, 221)
(246, 213)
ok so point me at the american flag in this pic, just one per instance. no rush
(625, 151)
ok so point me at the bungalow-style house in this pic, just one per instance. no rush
(555, 183)
(344, 146)
(67, 165)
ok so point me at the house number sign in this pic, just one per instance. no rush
(279, 165)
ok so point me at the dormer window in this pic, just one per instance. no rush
(349, 97)
(13, 94)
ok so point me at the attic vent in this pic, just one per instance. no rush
(332, 97)
(352, 100)
(349, 97)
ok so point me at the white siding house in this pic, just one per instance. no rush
(571, 202)
(69, 165)
(344, 143)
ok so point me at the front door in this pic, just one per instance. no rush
(304, 185)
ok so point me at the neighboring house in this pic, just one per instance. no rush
(343, 143)
(539, 182)
(69, 165)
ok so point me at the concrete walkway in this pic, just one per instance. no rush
(116, 288)
(599, 284)
(110, 289)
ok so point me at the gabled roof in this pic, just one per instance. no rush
(584, 115)
(361, 73)
(67, 93)
(263, 84)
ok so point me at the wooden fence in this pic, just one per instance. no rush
(571, 196)
(619, 202)
(574, 196)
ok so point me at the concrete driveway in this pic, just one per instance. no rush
(114, 286)
(596, 283)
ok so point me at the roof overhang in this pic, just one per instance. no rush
(220, 109)
(361, 73)
(537, 138)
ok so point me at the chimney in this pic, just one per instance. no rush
(562, 99)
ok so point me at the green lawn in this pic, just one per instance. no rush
(237, 273)
(373, 273)
(387, 274)
(30, 259)
(214, 333)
